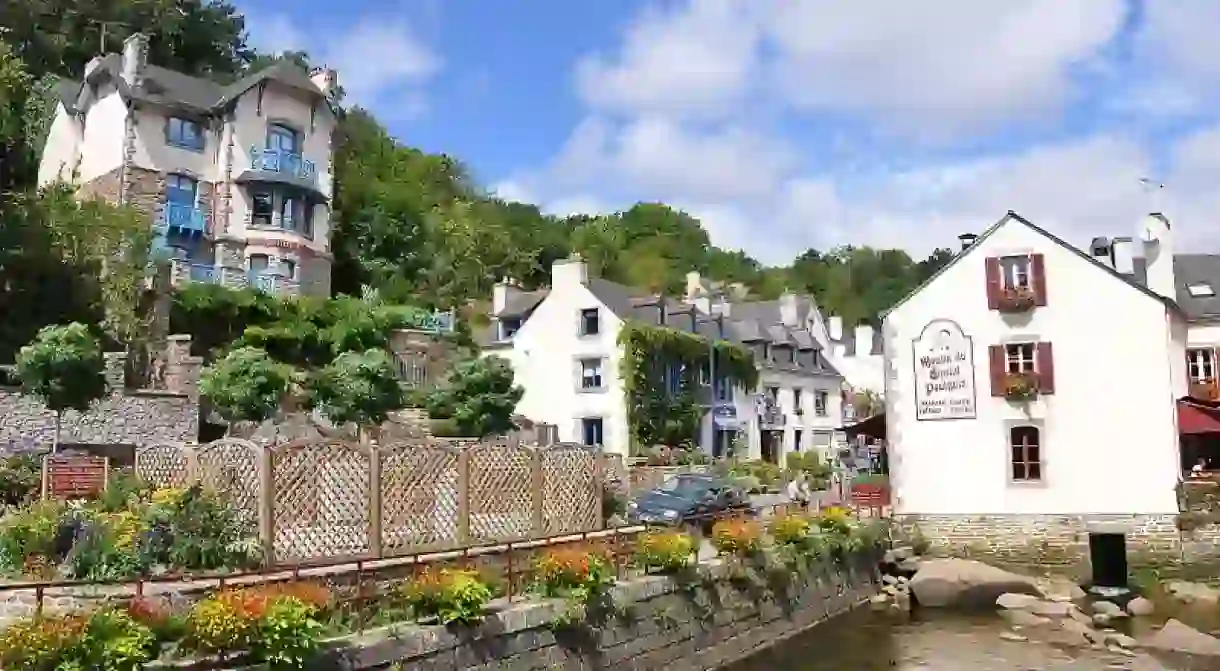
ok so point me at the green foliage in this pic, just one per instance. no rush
(276, 624)
(289, 634)
(478, 399)
(657, 412)
(246, 385)
(665, 551)
(20, 479)
(108, 639)
(449, 595)
(810, 463)
(64, 367)
(357, 387)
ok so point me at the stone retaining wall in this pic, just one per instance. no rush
(1062, 540)
(659, 623)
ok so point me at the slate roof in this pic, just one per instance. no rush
(163, 86)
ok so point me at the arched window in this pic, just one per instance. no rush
(1026, 444)
(282, 138)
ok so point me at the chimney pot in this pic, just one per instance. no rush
(967, 239)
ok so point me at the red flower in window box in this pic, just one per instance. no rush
(1018, 299)
(1020, 386)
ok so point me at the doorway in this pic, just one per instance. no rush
(771, 442)
(1108, 557)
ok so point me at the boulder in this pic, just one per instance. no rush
(945, 583)
(1140, 607)
(1176, 637)
(1107, 608)
(1012, 601)
(1051, 608)
(1021, 619)
(1191, 592)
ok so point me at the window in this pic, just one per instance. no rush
(821, 438)
(287, 212)
(767, 352)
(262, 209)
(1019, 357)
(1201, 364)
(181, 190)
(590, 373)
(673, 378)
(796, 439)
(796, 400)
(1201, 290)
(724, 389)
(288, 268)
(589, 322)
(1026, 453)
(509, 327)
(1014, 272)
(814, 359)
(591, 431)
(821, 400)
(184, 133)
(259, 263)
(282, 138)
(772, 396)
(791, 355)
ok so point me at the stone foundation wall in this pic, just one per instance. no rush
(1062, 541)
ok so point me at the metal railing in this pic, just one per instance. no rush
(183, 218)
(279, 160)
(182, 271)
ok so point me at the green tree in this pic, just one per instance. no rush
(65, 368)
(357, 387)
(479, 398)
(247, 385)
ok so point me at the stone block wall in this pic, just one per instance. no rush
(1062, 541)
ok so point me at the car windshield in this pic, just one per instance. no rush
(685, 487)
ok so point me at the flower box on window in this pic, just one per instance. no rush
(1020, 299)
(1020, 386)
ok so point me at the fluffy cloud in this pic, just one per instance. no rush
(699, 105)
(381, 60)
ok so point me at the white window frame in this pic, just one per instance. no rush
(1015, 359)
(1201, 364)
(602, 421)
(1041, 461)
(821, 403)
(1016, 272)
(591, 371)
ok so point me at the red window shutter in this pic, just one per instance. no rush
(1037, 272)
(995, 355)
(1046, 368)
(993, 283)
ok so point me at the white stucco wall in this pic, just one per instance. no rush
(62, 149)
(152, 152)
(1109, 442)
(545, 355)
(104, 133)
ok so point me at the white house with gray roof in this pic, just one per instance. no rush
(236, 179)
(1032, 392)
(563, 345)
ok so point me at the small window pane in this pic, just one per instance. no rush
(1018, 471)
(1034, 470)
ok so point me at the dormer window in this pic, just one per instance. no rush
(509, 327)
(184, 134)
(1201, 290)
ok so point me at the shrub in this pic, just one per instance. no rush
(224, 622)
(288, 634)
(737, 537)
(108, 639)
(835, 520)
(574, 571)
(810, 463)
(792, 530)
(748, 484)
(276, 624)
(450, 595)
(20, 479)
(666, 551)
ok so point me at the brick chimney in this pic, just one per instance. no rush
(135, 58)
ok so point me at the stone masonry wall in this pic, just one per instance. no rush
(1062, 540)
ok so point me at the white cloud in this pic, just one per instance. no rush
(381, 60)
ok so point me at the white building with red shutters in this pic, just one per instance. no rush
(1031, 390)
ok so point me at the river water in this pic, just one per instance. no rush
(867, 641)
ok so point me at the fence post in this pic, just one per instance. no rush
(192, 465)
(599, 486)
(463, 497)
(538, 491)
(374, 499)
(266, 502)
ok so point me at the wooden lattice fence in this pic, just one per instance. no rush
(326, 499)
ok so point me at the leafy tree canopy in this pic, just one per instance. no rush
(246, 385)
(357, 387)
(64, 367)
(478, 399)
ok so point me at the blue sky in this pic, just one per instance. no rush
(784, 124)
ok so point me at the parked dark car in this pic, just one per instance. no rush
(688, 499)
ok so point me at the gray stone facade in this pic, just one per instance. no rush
(125, 417)
(1062, 541)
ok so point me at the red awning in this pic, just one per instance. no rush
(1196, 419)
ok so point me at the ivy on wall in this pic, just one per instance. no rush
(661, 369)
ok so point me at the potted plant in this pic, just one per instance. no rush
(1020, 386)
(1017, 299)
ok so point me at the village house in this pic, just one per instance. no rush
(236, 179)
(1031, 392)
(563, 345)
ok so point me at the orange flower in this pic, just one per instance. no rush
(737, 536)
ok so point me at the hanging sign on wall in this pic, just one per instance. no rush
(944, 372)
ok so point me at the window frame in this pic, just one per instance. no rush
(1192, 363)
(592, 369)
(504, 332)
(270, 216)
(821, 403)
(590, 316)
(1024, 462)
(1020, 359)
(797, 394)
(1014, 268)
(173, 184)
(279, 129)
(585, 423)
(176, 137)
(250, 263)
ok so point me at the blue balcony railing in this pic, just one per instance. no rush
(278, 160)
(185, 219)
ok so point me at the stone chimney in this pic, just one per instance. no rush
(92, 65)
(571, 270)
(501, 292)
(787, 309)
(115, 371)
(694, 285)
(967, 239)
(1156, 238)
(1122, 251)
(135, 58)
(864, 340)
(326, 80)
(181, 369)
(834, 328)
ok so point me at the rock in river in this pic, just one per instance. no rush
(942, 583)
(1180, 638)
(1140, 607)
